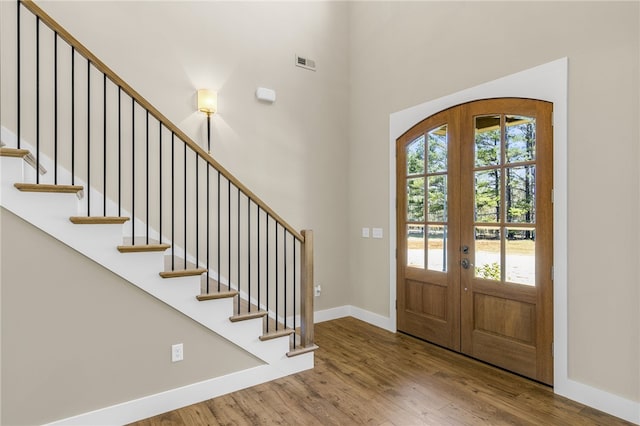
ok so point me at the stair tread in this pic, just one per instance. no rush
(248, 316)
(183, 273)
(13, 152)
(94, 220)
(302, 350)
(44, 187)
(217, 295)
(142, 248)
(278, 333)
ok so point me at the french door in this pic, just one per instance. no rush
(475, 233)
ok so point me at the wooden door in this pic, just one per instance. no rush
(506, 223)
(493, 300)
(428, 230)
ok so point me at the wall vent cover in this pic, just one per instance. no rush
(305, 63)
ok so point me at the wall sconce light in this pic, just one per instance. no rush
(208, 103)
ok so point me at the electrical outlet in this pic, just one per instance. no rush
(316, 290)
(177, 352)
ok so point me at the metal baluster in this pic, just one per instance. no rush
(173, 211)
(294, 290)
(238, 226)
(37, 100)
(160, 180)
(248, 254)
(104, 144)
(277, 280)
(119, 151)
(229, 233)
(218, 233)
(133, 172)
(284, 238)
(259, 254)
(208, 219)
(88, 138)
(185, 203)
(55, 107)
(73, 115)
(19, 73)
(268, 279)
(147, 173)
(197, 212)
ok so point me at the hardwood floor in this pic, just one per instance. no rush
(366, 375)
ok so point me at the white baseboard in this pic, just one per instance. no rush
(576, 391)
(373, 319)
(353, 311)
(331, 314)
(600, 400)
(173, 399)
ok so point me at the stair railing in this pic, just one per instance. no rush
(92, 129)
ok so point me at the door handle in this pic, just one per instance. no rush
(465, 263)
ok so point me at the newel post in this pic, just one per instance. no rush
(306, 290)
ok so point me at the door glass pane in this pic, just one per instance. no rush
(487, 252)
(437, 244)
(520, 138)
(415, 156)
(415, 200)
(415, 246)
(520, 257)
(521, 194)
(487, 193)
(487, 141)
(437, 156)
(437, 205)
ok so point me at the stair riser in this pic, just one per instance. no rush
(42, 207)
(12, 169)
(252, 326)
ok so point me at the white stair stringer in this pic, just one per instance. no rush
(50, 212)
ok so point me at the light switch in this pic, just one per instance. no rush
(377, 232)
(365, 232)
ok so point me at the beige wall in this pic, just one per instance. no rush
(76, 337)
(404, 54)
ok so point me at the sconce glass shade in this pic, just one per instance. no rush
(207, 101)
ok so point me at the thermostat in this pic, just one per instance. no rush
(267, 95)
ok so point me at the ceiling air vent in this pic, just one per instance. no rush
(305, 63)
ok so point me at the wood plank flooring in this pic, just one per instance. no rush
(366, 375)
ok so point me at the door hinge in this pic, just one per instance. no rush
(553, 118)
(396, 253)
(552, 350)
(396, 304)
(553, 273)
(553, 196)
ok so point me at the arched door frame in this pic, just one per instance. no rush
(546, 82)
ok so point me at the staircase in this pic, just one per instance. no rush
(88, 160)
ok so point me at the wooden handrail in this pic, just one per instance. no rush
(101, 66)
